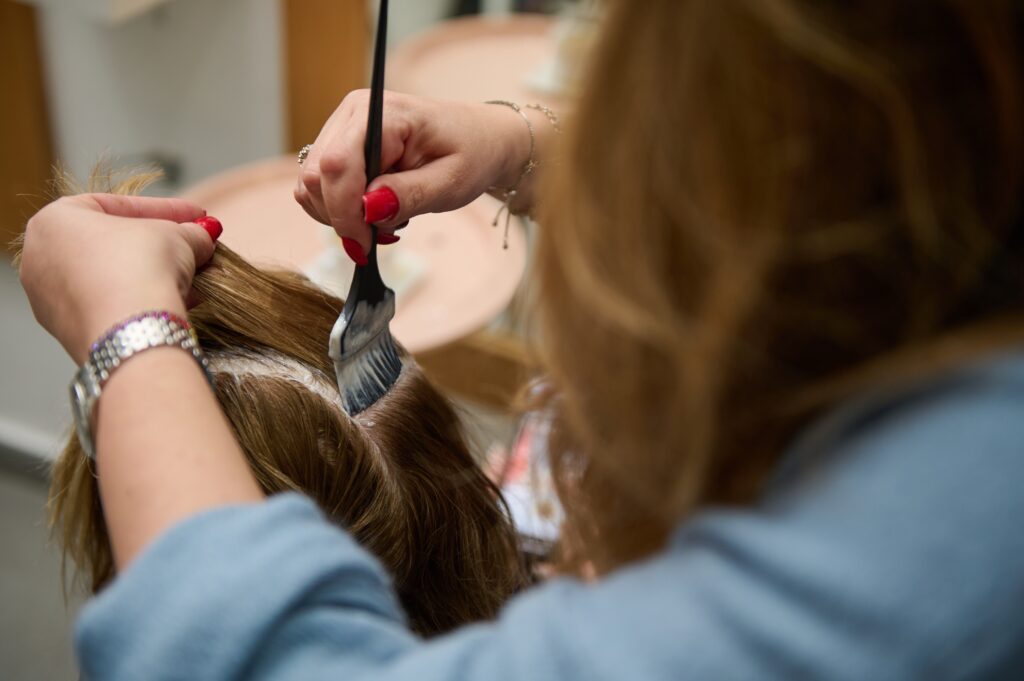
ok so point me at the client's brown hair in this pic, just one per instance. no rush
(400, 477)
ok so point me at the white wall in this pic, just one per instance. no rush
(105, 10)
(197, 80)
(408, 17)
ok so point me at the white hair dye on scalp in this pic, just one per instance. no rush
(270, 364)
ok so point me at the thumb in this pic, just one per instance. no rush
(201, 236)
(433, 188)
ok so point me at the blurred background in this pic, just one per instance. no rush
(220, 95)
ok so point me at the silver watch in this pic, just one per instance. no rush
(135, 335)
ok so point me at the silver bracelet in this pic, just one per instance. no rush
(128, 339)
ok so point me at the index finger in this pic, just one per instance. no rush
(343, 177)
(175, 210)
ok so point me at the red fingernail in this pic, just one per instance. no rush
(380, 205)
(385, 239)
(354, 250)
(211, 225)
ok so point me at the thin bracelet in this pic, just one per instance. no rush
(531, 163)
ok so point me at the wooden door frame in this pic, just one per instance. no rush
(25, 134)
(326, 54)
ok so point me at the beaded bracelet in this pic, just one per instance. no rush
(551, 115)
(509, 195)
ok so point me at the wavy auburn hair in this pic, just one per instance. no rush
(763, 208)
(399, 477)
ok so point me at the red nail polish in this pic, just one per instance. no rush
(354, 250)
(380, 205)
(211, 225)
(385, 239)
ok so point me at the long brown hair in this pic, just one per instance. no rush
(762, 208)
(400, 477)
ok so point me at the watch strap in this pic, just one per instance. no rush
(124, 341)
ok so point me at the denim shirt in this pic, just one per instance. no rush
(890, 546)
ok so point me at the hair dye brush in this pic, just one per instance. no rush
(366, 361)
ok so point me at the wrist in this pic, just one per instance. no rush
(514, 152)
(528, 135)
(138, 334)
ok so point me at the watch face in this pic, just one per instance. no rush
(81, 409)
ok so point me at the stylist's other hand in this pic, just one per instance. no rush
(436, 156)
(92, 260)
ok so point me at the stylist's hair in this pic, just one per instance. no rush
(796, 201)
(399, 478)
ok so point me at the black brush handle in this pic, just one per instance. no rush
(375, 121)
(366, 283)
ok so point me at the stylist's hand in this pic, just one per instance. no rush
(92, 260)
(437, 156)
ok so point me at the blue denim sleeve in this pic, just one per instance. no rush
(891, 551)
